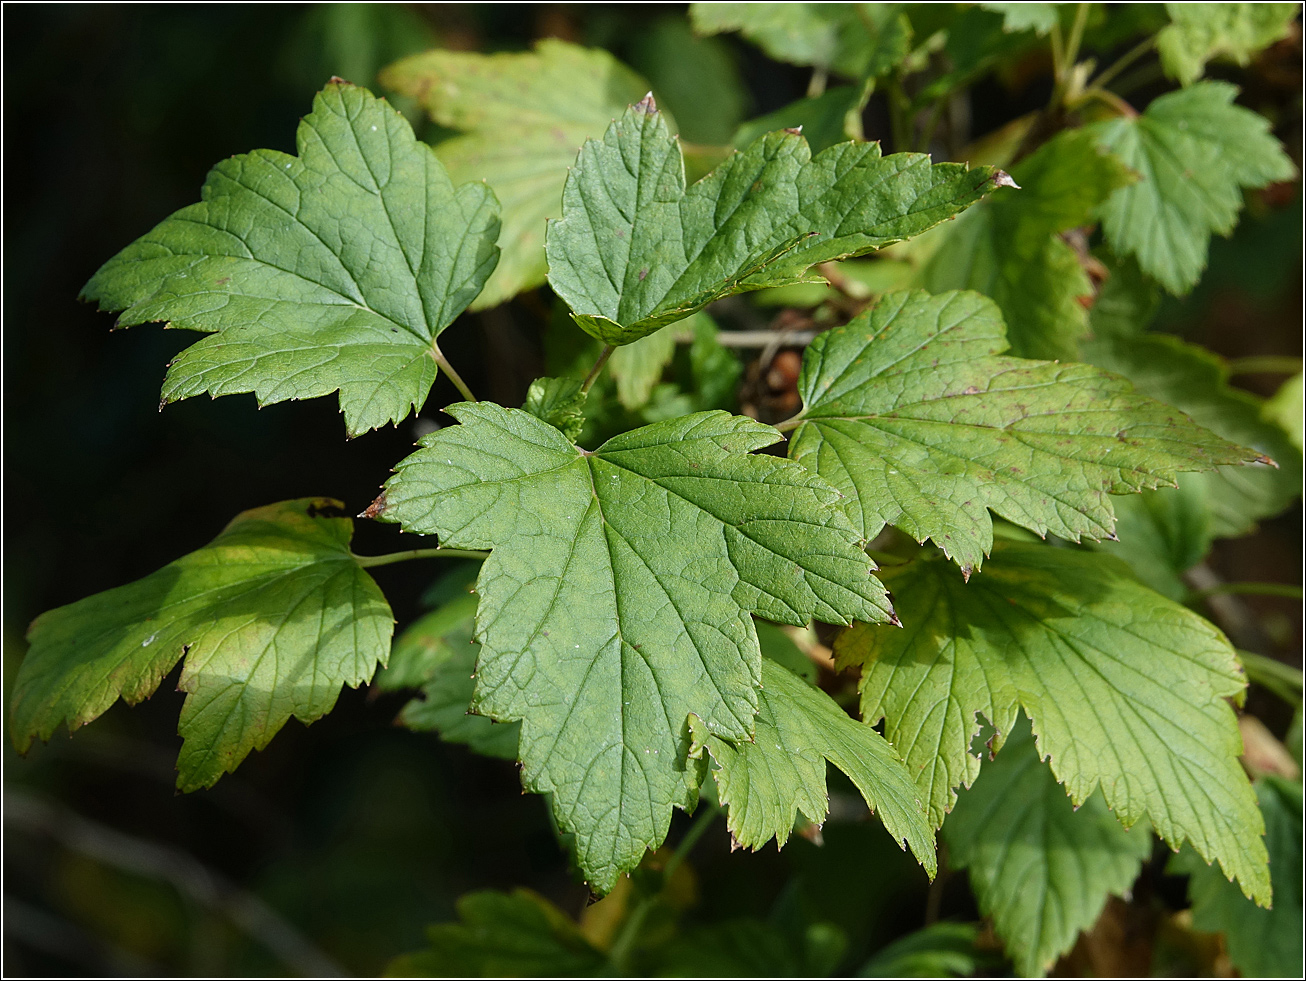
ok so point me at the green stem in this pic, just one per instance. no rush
(598, 366)
(1250, 589)
(371, 561)
(1076, 37)
(816, 86)
(1106, 76)
(438, 356)
(1058, 58)
(899, 114)
(790, 424)
(1282, 679)
(1107, 98)
(1267, 364)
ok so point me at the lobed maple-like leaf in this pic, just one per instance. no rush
(273, 617)
(1126, 689)
(521, 117)
(1199, 32)
(635, 251)
(911, 412)
(1039, 866)
(616, 600)
(1194, 151)
(765, 782)
(334, 270)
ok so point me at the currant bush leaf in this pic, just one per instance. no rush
(1037, 17)
(437, 656)
(1040, 867)
(1126, 691)
(522, 116)
(559, 402)
(1194, 151)
(1199, 32)
(503, 935)
(859, 40)
(1262, 942)
(826, 119)
(1196, 381)
(638, 367)
(1009, 246)
(634, 251)
(616, 601)
(766, 782)
(272, 617)
(1285, 409)
(912, 414)
(334, 270)
(1163, 533)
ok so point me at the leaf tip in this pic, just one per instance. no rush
(794, 130)
(376, 508)
(1002, 179)
(646, 105)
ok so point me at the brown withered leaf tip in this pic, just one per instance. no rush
(794, 130)
(1003, 179)
(647, 104)
(375, 508)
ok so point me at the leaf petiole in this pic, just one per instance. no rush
(370, 561)
(598, 366)
(438, 357)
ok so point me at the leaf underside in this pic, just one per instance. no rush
(273, 617)
(1127, 691)
(766, 782)
(914, 415)
(635, 251)
(333, 270)
(616, 601)
(1039, 866)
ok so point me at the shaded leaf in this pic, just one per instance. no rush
(634, 251)
(437, 655)
(522, 116)
(1200, 32)
(1286, 409)
(940, 950)
(637, 367)
(334, 270)
(1037, 17)
(695, 78)
(913, 415)
(273, 617)
(1040, 867)
(1125, 688)
(1164, 533)
(1194, 151)
(826, 119)
(766, 782)
(616, 600)
(559, 402)
(516, 934)
(1261, 942)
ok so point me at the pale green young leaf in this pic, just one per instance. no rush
(858, 40)
(637, 367)
(559, 402)
(1127, 692)
(1037, 17)
(1263, 943)
(273, 617)
(1196, 381)
(1285, 408)
(616, 601)
(911, 412)
(1039, 866)
(333, 270)
(522, 116)
(764, 783)
(1200, 32)
(503, 935)
(437, 656)
(1009, 247)
(1194, 151)
(634, 251)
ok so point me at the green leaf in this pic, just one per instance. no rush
(777, 645)
(634, 251)
(438, 656)
(913, 415)
(1263, 943)
(1200, 32)
(1196, 381)
(940, 950)
(1164, 533)
(272, 617)
(516, 934)
(1125, 688)
(1194, 150)
(1037, 17)
(522, 117)
(1009, 247)
(1285, 409)
(858, 40)
(616, 600)
(826, 119)
(752, 948)
(560, 402)
(336, 269)
(765, 782)
(1126, 300)
(637, 367)
(1039, 866)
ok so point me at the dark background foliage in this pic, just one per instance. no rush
(356, 832)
